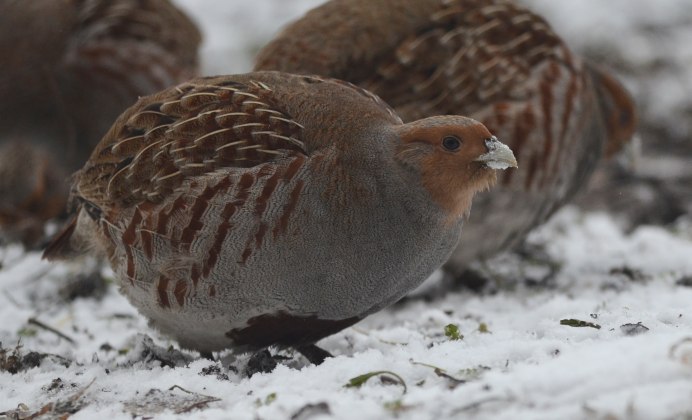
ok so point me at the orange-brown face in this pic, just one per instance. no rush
(455, 156)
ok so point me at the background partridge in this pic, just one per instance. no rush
(493, 60)
(70, 68)
(274, 209)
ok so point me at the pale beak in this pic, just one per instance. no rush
(499, 156)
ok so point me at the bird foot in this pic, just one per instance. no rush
(260, 362)
(207, 355)
(314, 354)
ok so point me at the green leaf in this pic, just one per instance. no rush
(359, 380)
(577, 323)
(267, 400)
(270, 398)
(27, 332)
(396, 406)
(452, 332)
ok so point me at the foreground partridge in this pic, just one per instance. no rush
(272, 209)
(69, 68)
(492, 60)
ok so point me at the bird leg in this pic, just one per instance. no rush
(314, 354)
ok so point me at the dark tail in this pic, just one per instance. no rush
(617, 106)
(62, 246)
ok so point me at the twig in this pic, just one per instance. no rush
(197, 404)
(475, 405)
(442, 373)
(11, 299)
(36, 322)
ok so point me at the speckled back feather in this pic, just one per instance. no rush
(189, 130)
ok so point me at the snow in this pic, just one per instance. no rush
(235, 30)
(527, 365)
(515, 360)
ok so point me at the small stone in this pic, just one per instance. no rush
(633, 329)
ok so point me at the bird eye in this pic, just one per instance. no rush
(451, 143)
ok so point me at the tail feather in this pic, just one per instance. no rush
(617, 106)
(63, 246)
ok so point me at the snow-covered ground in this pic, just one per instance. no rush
(515, 359)
(624, 292)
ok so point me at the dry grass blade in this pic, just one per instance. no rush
(359, 380)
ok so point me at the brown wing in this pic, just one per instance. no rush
(196, 128)
(118, 51)
(468, 56)
(106, 26)
(423, 57)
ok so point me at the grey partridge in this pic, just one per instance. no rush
(273, 209)
(70, 67)
(492, 60)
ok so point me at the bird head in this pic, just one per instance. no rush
(455, 157)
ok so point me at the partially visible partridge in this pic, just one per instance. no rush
(273, 209)
(69, 68)
(492, 60)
